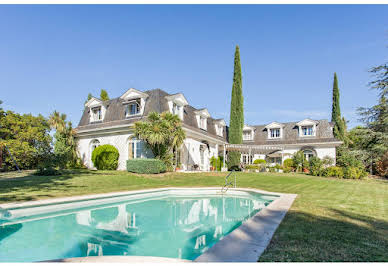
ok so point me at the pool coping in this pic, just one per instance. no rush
(244, 244)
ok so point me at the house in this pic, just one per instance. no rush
(111, 122)
(276, 141)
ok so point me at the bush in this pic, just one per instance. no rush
(287, 169)
(105, 157)
(315, 166)
(278, 166)
(259, 161)
(46, 171)
(146, 166)
(333, 171)
(354, 173)
(251, 167)
(288, 162)
(382, 165)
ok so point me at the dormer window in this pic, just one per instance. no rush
(134, 102)
(133, 108)
(203, 123)
(307, 131)
(176, 109)
(201, 116)
(275, 130)
(247, 135)
(96, 114)
(248, 132)
(219, 125)
(275, 133)
(96, 109)
(307, 128)
(176, 102)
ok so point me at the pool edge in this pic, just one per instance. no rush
(247, 242)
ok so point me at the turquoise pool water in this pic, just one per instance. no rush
(166, 226)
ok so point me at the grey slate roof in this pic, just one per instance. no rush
(156, 101)
(324, 133)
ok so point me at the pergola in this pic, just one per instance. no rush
(247, 148)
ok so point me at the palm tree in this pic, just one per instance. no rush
(57, 121)
(64, 130)
(163, 133)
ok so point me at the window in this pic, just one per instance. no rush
(219, 130)
(275, 133)
(133, 108)
(308, 154)
(96, 114)
(246, 159)
(307, 131)
(203, 122)
(138, 149)
(176, 109)
(247, 135)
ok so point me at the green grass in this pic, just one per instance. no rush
(330, 220)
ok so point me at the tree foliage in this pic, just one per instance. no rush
(370, 143)
(90, 96)
(65, 146)
(104, 95)
(236, 111)
(163, 134)
(339, 122)
(27, 138)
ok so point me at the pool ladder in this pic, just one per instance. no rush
(229, 183)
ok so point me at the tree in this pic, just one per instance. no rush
(65, 146)
(27, 138)
(163, 134)
(371, 142)
(104, 95)
(236, 112)
(89, 97)
(339, 122)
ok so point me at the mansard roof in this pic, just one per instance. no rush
(156, 100)
(324, 133)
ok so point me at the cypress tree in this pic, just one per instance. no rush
(339, 122)
(236, 112)
(104, 95)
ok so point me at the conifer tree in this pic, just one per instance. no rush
(236, 112)
(89, 97)
(339, 122)
(104, 95)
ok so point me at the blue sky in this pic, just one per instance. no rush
(51, 57)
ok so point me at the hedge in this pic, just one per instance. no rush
(259, 161)
(105, 157)
(146, 166)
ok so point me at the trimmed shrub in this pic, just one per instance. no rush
(146, 166)
(259, 161)
(288, 162)
(354, 173)
(333, 171)
(105, 157)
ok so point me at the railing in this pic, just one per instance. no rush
(228, 183)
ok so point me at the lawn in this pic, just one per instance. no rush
(330, 220)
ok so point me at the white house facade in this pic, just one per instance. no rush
(111, 122)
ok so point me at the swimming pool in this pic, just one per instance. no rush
(173, 223)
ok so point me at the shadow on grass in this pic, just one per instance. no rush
(15, 187)
(342, 237)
